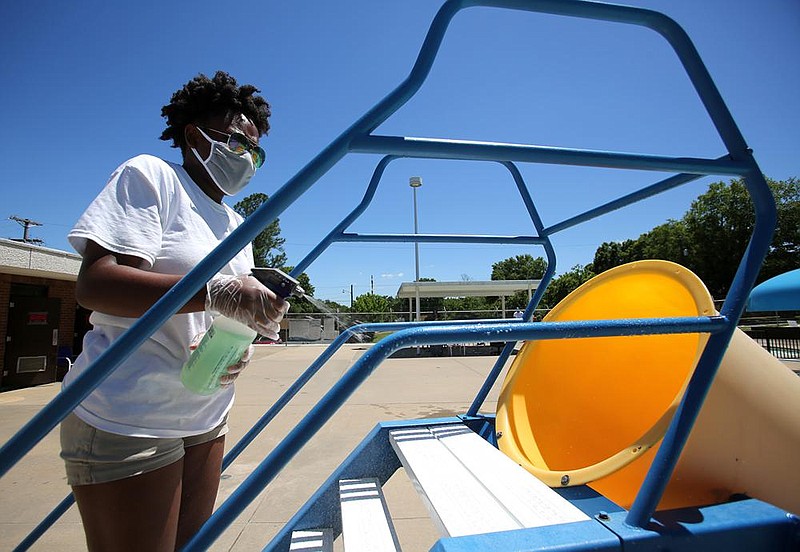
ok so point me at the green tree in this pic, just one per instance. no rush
(608, 255)
(667, 241)
(301, 304)
(713, 234)
(268, 244)
(784, 254)
(611, 254)
(563, 285)
(398, 304)
(371, 302)
(466, 307)
(268, 251)
(719, 224)
(521, 267)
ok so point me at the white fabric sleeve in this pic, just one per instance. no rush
(124, 218)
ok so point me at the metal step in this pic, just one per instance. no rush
(471, 488)
(366, 524)
(313, 540)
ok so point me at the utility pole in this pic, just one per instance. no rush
(26, 224)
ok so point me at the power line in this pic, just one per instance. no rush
(26, 225)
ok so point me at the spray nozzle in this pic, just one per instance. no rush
(279, 282)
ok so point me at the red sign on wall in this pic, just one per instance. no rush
(37, 318)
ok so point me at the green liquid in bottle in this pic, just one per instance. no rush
(222, 346)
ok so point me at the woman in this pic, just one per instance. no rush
(143, 454)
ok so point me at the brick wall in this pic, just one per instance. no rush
(61, 289)
(5, 299)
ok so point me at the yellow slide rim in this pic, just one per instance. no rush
(518, 433)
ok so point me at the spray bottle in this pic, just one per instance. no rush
(227, 340)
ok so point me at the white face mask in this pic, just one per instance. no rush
(229, 171)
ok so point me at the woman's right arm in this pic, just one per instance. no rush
(120, 285)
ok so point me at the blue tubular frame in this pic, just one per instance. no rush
(338, 234)
(542, 238)
(271, 466)
(357, 138)
(493, 151)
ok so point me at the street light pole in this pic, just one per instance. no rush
(415, 182)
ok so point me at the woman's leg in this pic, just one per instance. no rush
(151, 511)
(202, 466)
(133, 514)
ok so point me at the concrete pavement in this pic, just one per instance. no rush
(400, 388)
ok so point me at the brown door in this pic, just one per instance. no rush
(31, 341)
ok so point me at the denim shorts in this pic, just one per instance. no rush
(94, 456)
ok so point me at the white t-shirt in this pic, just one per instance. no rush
(152, 209)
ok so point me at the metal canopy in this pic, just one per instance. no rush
(491, 288)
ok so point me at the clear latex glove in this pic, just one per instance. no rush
(234, 370)
(246, 300)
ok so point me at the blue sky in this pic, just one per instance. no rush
(84, 82)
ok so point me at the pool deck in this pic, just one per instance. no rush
(400, 388)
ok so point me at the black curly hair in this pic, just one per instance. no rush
(202, 98)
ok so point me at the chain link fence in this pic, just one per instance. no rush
(777, 333)
(325, 327)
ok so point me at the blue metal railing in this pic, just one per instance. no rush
(357, 138)
(338, 234)
(430, 335)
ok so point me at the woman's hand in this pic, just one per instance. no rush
(234, 370)
(246, 300)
